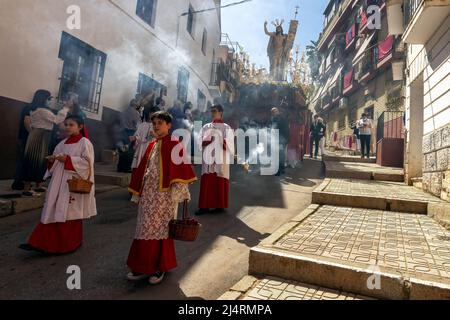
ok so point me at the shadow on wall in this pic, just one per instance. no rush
(10, 110)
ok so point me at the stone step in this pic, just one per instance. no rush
(273, 288)
(417, 183)
(362, 171)
(107, 174)
(375, 253)
(15, 203)
(348, 158)
(110, 157)
(382, 195)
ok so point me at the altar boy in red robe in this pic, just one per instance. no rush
(161, 182)
(60, 230)
(217, 140)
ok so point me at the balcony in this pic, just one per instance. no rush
(222, 72)
(369, 66)
(364, 17)
(349, 82)
(335, 22)
(350, 36)
(385, 51)
(422, 18)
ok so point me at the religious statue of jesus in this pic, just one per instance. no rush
(277, 51)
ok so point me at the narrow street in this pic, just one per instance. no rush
(346, 101)
(207, 268)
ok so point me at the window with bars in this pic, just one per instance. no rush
(191, 21)
(147, 84)
(146, 10)
(83, 71)
(204, 41)
(183, 84)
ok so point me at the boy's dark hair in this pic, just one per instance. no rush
(218, 107)
(149, 111)
(77, 118)
(162, 115)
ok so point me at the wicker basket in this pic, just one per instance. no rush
(186, 229)
(80, 185)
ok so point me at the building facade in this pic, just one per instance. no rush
(425, 29)
(358, 75)
(106, 52)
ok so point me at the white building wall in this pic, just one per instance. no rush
(432, 62)
(30, 33)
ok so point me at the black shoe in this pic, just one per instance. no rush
(219, 210)
(28, 247)
(201, 212)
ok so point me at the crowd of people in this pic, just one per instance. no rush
(362, 135)
(54, 145)
(41, 128)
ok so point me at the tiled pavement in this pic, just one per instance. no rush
(271, 288)
(383, 189)
(366, 171)
(382, 195)
(412, 245)
(363, 229)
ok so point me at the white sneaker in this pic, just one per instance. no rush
(157, 278)
(132, 277)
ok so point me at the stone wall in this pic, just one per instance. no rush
(436, 165)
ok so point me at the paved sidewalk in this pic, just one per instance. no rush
(364, 171)
(347, 158)
(383, 195)
(339, 247)
(272, 288)
(12, 202)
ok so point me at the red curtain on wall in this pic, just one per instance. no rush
(385, 47)
(348, 79)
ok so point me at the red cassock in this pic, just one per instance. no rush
(215, 181)
(61, 237)
(151, 256)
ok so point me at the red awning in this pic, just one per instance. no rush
(348, 79)
(363, 19)
(385, 47)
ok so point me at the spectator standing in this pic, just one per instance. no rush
(130, 120)
(39, 141)
(365, 133)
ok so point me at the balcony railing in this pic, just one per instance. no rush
(410, 7)
(222, 72)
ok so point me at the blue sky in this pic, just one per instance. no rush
(245, 23)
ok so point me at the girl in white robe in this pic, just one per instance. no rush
(61, 228)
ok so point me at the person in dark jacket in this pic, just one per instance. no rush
(24, 129)
(317, 132)
(281, 124)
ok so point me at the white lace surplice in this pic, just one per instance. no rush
(157, 208)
